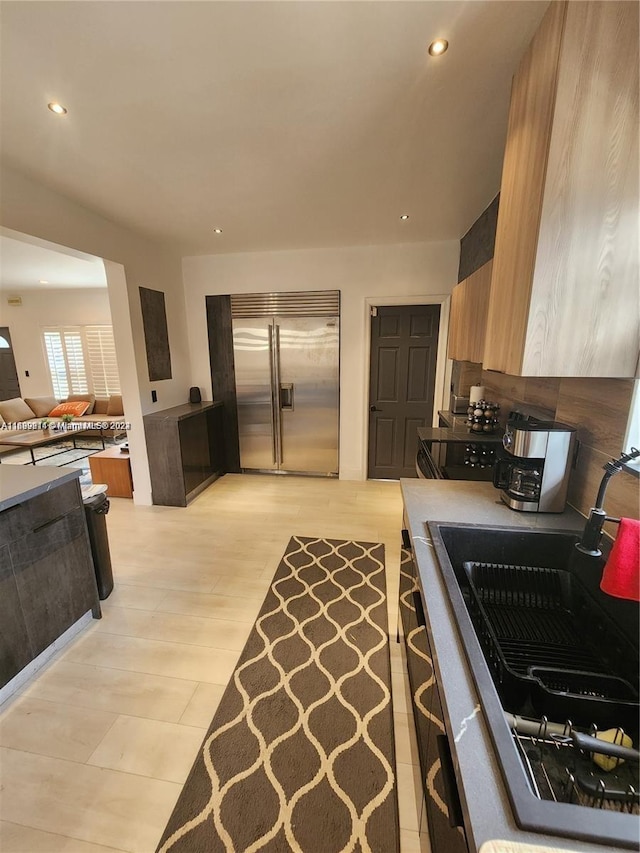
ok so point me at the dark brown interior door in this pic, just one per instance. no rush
(404, 346)
(9, 385)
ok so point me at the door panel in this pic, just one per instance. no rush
(422, 325)
(404, 345)
(389, 325)
(385, 440)
(9, 384)
(418, 374)
(253, 391)
(309, 351)
(388, 375)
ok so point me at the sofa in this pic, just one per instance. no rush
(21, 414)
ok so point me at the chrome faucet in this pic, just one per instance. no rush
(592, 534)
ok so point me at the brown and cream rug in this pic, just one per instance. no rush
(300, 754)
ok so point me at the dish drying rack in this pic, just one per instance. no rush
(559, 768)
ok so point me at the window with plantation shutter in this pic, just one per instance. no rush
(66, 361)
(101, 352)
(82, 359)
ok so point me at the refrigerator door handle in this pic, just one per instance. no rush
(274, 402)
(276, 386)
(286, 396)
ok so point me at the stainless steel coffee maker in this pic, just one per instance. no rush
(533, 474)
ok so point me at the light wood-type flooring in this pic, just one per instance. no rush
(96, 746)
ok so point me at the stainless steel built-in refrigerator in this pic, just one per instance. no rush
(286, 358)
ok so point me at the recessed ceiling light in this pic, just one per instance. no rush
(404, 216)
(217, 230)
(42, 281)
(58, 109)
(438, 47)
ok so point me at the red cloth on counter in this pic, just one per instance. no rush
(621, 576)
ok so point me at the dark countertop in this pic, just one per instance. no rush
(484, 799)
(179, 413)
(459, 434)
(18, 483)
(453, 419)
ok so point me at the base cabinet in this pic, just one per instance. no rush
(185, 446)
(47, 579)
(444, 817)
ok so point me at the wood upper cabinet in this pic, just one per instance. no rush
(468, 316)
(565, 296)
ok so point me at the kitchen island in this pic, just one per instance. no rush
(47, 578)
(486, 808)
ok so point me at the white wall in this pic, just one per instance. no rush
(364, 275)
(33, 209)
(47, 308)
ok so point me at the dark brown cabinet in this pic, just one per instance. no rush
(13, 631)
(47, 580)
(442, 804)
(185, 448)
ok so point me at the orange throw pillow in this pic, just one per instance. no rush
(78, 408)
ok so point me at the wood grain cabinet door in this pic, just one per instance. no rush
(564, 298)
(455, 343)
(468, 316)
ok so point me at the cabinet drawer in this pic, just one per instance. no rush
(53, 504)
(15, 522)
(44, 542)
(54, 577)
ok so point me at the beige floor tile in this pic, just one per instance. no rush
(401, 693)
(405, 735)
(106, 689)
(15, 838)
(409, 796)
(242, 587)
(49, 728)
(414, 842)
(149, 748)
(175, 628)
(155, 657)
(201, 563)
(398, 655)
(203, 705)
(140, 598)
(139, 575)
(212, 606)
(89, 803)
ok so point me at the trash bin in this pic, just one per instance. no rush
(96, 506)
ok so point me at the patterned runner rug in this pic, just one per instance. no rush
(300, 753)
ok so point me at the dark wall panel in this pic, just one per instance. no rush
(156, 335)
(223, 375)
(476, 247)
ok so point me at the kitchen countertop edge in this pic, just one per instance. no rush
(485, 803)
(19, 483)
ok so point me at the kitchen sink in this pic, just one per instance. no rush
(544, 643)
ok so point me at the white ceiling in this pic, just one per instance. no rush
(287, 124)
(23, 265)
